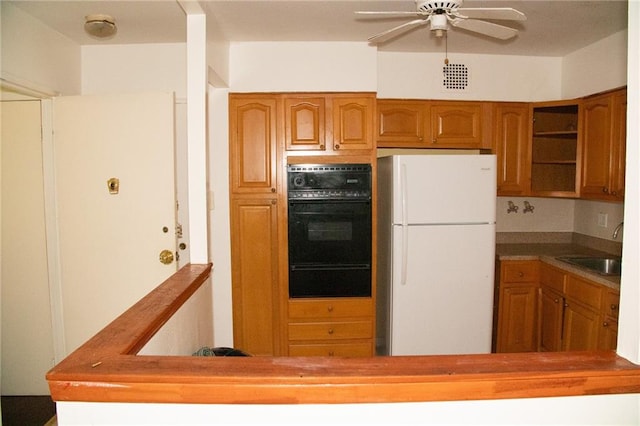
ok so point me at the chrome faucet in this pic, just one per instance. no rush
(617, 230)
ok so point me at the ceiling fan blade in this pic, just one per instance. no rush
(486, 28)
(390, 32)
(386, 13)
(500, 13)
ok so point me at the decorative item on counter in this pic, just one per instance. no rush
(528, 207)
(512, 207)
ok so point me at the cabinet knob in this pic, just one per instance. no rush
(521, 274)
(330, 308)
(322, 146)
(614, 307)
(434, 140)
(605, 324)
(605, 190)
(614, 193)
(273, 190)
(330, 331)
(331, 353)
(273, 202)
(336, 146)
(556, 300)
(566, 305)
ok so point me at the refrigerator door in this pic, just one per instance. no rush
(444, 189)
(442, 289)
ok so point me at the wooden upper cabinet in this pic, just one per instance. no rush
(603, 147)
(430, 124)
(353, 122)
(304, 121)
(402, 123)
(253, 144)
(456, 124)
(512, 141)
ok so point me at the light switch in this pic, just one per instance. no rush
(603, 218)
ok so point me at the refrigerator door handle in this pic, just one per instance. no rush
(405, 253)
(405, 224)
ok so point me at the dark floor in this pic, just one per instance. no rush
(27, 410)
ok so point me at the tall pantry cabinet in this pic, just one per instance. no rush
(255, 271)
(267, 131)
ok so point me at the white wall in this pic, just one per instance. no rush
(595, 68)
(134, 68)
(37, 56)
(302, 66)
(491, 77)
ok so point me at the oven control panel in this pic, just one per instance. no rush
(329, 181)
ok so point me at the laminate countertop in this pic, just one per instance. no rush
(550, 252)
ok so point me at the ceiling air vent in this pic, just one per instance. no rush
(456, 77)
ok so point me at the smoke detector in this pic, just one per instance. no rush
(100, 26)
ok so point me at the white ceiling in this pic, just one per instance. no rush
(552, 28)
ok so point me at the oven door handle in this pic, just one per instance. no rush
(334, 267)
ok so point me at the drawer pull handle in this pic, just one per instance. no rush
(331, 331)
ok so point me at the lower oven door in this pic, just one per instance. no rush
(329, 248)
(329, 281)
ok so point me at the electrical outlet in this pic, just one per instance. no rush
(603, 218)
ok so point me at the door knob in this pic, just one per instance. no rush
(166, 257)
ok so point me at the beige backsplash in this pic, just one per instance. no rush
(558, 216)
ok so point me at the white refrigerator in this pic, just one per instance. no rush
(436, 254)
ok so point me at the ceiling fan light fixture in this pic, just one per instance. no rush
(100, 26)
(439, 24)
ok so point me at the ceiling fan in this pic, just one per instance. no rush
(439, 14)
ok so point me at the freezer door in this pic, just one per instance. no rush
(442, 289)
(444, 189)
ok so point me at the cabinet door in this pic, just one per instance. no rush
(596, 152)
(551, 311)
(254, 246)
(353, 123)
(608, 334)
(402, 123)
(456, 125)
(511, 133)
(253, 144)
(581, 327)
(618, 145)
(304, 122)
(517, 329)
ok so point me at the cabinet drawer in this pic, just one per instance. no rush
(331, 308)
(520, 272)
(611, 304)
(331, 349)
(330, 330)
(585, 292)
(552, 277)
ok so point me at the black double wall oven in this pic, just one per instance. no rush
(329, 223)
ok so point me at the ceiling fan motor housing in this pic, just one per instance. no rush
(432, 6)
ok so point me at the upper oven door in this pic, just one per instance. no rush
(330, 232)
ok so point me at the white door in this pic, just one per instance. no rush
(111, 238)
(27, 345)
(442, 294)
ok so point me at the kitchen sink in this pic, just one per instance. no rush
(600, 265)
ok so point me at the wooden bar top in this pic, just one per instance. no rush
(107, 369)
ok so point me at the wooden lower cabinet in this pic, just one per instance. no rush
(517, 307)
(255, 288)
(551, 311)
(330, 327)
(576, 314)
(544, 308)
